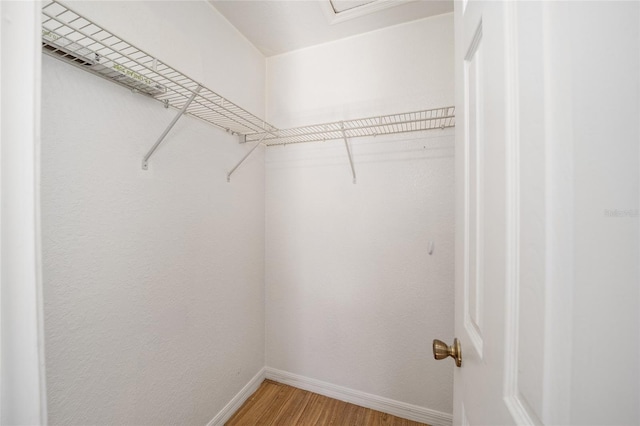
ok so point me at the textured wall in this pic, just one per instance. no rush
(606, 289)
(153, 280)
(154, 296)
(402, 68)
(352, 296)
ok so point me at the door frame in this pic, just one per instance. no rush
(22, 363)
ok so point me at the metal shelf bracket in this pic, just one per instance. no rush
(346, 144)
(145, 160)
(245, 157)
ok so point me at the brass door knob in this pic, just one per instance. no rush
(441, 351)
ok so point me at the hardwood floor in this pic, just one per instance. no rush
(277, 404)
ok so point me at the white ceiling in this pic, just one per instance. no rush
(279, 26)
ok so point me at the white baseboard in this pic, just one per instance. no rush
(237, 401)
(386, 405)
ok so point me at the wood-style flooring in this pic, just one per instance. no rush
(277, 404)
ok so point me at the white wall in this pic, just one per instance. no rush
(22, 379)
(153, 280)
(352, 296)
(605, 83)
(403, 68)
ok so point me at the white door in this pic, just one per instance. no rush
(547, 190)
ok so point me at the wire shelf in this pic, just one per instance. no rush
(71, 37)
(438, 118)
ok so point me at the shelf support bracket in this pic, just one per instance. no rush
(245, 157)
(145, 160)
(346, 144)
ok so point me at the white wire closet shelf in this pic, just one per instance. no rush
(415, 121)
(71, 37)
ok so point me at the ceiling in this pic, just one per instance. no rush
(280, 26)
